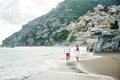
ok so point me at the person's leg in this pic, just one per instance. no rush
(77, 58)
(68, 56)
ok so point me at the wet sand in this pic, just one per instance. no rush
(102, 66)
(68, 71)
(108, 64)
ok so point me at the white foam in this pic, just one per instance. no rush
(18, 63)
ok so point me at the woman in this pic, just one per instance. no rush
(77, 52)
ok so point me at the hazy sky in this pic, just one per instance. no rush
(15, 13)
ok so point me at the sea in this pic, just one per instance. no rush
(19, 63)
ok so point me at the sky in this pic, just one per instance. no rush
(15, 13)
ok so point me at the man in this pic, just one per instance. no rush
(67, 51)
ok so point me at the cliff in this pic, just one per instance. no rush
(41, 31)
(107, 43)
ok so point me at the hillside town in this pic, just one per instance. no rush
(100, 20)
(56, 28)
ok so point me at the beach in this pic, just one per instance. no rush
(68, 71)
(48, 63)
(74, 70)
(108, 64)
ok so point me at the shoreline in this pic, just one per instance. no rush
(69, 71)
(61, 66)
(108, 64)
(69, 74)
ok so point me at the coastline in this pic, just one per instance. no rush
(72, 70)
(108, 64)
(67, 73)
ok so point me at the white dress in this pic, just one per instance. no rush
(76, 53)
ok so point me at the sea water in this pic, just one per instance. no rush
(21, 62)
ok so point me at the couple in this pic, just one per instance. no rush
(67, 51)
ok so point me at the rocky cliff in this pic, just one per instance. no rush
(40, 31)
(107, 43)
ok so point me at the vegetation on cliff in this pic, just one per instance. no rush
(41, 30)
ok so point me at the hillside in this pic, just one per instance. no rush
(41, 31)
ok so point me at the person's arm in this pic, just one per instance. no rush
(64, 51)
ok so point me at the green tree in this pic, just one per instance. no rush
(60, 36)
(114, 25)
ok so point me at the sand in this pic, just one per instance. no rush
(108, 64)
(66, 76)
(68, 71)
(105, 66)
